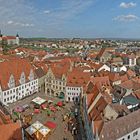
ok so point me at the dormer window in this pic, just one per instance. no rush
(22, 78)
(31, 76)
(11, 83)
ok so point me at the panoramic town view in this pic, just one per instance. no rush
(70, 70)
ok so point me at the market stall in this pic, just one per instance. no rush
(37, 131)
(51, 125)
(38, 101)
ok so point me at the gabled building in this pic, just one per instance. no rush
(17, 80)
(76, 83)
(123, 128)
(56, 77)
(129, 60)
(104, 55)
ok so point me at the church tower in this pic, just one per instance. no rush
(17, 39)
(0, 36)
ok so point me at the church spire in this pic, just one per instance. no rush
(0, 34)
(17, 35)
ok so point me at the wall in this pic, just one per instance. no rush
(72, 93)
(110, 113)
(131, 134)
(19, 92)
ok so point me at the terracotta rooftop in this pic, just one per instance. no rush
(14, 66)
(11, 131)
(78, 78)
(115, 129)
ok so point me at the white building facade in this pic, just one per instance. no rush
(14, 93)
(73, 94)
(17, 80)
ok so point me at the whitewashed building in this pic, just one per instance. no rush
(76, 83)
(10, 40)
(17, 80)
(73, 93)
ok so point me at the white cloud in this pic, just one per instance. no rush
(127, 5)
(126, 18)
(25, 13)
(46, 11)
(12, 23)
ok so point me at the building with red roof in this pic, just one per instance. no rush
(76, 84)
(55, 82)
(17, 79)
(10, 40)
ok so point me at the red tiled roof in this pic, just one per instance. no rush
(60, 69)
(92, 95)
(11, 131)
(123, 78)
(130, 84)
(78, 78)
(14, 66)
(101, 81)
(8, 37)
(101, 52)
(98, 108)
(114, 77)
(130, 73)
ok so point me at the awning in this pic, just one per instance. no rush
(52, 108)
(18, 109)
(38, 100)
(50, 124)
(60, 104)
(44, 106)
(36, 111)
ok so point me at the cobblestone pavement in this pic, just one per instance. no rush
(59, 133)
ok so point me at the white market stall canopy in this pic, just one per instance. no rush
(38, 100)
(38, 127)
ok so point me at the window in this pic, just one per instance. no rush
(128, 137)
(22, 78)
(7, 99)
(135, 133)
(4, 100)
(11, 82)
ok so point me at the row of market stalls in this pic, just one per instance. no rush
(37, 130)
(40, 103)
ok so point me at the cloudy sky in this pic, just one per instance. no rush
(71, 18)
